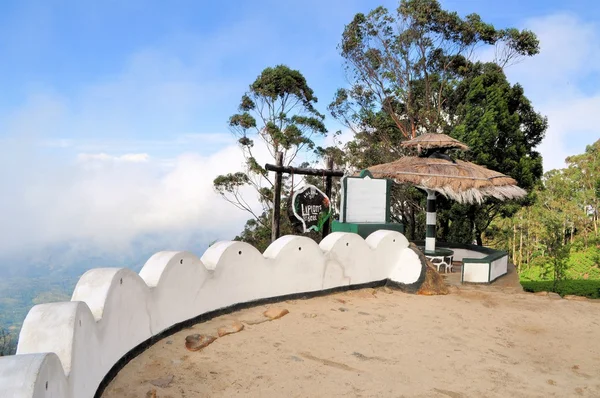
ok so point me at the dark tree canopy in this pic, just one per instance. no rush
(497, 121)
(499, 124)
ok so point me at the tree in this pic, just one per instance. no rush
(555, 236)
(558, 250)
(502, 129)
(279, 111)
(407, 64)
(7, 346)
(414, 71)
(584, 170)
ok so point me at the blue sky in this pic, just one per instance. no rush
(113, 113)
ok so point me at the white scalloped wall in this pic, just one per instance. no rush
(66, 349)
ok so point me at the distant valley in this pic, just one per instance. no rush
(50, 274)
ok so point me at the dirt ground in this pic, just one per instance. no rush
(382, 343)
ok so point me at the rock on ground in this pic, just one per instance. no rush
(275, 313)
(235, 327)
(434, 284)
(196, 342)
(576, 298)
(163, 382)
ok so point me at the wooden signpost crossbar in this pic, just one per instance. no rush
(279, 170)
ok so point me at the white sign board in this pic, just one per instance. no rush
(365, 200)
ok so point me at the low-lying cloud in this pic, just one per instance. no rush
(111, 199)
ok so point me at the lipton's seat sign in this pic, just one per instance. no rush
(310, 208)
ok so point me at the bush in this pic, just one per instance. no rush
(577, 287)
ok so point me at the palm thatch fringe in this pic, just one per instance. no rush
(434, 140)
(474, 195)
(462, 181)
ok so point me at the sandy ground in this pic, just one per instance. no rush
(366, 343)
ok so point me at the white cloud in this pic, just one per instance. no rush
(125, 155)
(346, 135)
(562, 82)
(110, 200)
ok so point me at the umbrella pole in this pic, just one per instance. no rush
(431, 222)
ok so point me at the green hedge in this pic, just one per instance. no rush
(578, 287)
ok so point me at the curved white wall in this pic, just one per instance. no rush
(66, 349)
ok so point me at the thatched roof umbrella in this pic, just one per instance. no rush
(462, 181)
(434, 141)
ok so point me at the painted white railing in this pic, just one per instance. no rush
(66, 349)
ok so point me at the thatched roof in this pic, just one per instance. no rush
(462, 181)
(434, 140)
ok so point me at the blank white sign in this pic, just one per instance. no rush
(366, 200)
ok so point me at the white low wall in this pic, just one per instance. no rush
(476, 272)
(499, 267)
(460, 254)
(484, 271)
(66, 349)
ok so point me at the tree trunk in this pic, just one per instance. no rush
(595, 218)
(276, 200)
(328, 186)
(529, 244)
(472, 228)
(444, 229)
(413, 227)
(515, 245)
(521, 243)
(572, 228)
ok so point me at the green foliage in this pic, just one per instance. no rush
(555, 242)
(7, 342)
(563, 212)
(499, 125)
(410, 73)
(558, 250)
(279, 110)
(502, 130)
(586, 288)
(258, 234)
(584, 264)
(230, 182)
(407, 63)
(19, 294)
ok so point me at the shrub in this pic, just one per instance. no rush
(577, 287)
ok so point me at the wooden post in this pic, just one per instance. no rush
(304, 171)
(276, 199)
(328, 187)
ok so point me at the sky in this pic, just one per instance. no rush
(113, 114)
